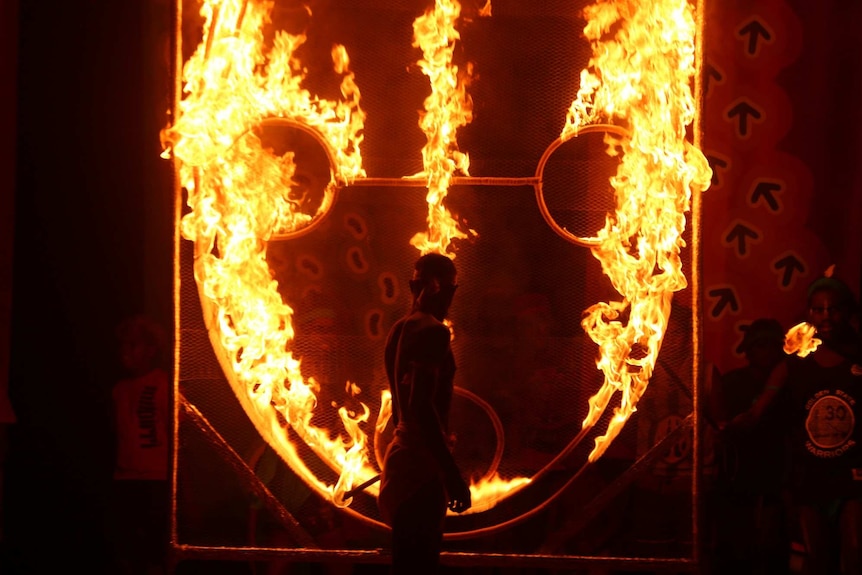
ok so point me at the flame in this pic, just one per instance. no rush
(447, 108)
(488, 491)
(639, 77)
(385, 412)
(240, 196)
(800, 339)
(354, 461)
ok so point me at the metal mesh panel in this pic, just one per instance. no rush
(518, 342)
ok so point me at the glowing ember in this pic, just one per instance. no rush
(240, 195)
(489, 491)
(447, 108)
(639, 77)
(800, 339)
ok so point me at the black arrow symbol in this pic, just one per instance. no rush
(754, 30)
(712, 73)
(789, 264)
(715, 162)
(725, 296)
(766, 190)
(739, 234)
(743, 110)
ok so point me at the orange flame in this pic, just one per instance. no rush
(239, 195)
(447, 108)
(640, 77)
(800, 339)
(489, 491)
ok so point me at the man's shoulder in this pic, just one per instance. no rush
(395, 332)
(425, 323)
(425, 330)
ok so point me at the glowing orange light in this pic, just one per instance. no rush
(639, 77)
(239, 195)
(800, 339)
(447, 108)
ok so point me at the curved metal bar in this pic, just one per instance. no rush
(498, 452)
(540, 196)
(655, 451)
(420, 182)
(330, 194)
(336, 184)
(495, 421)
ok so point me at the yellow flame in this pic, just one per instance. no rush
(489, 491)
(239, 195)
(354, 462)
(800, 339)
(639, 76)
(447, 108)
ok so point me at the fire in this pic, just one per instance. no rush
(489, 491)
(240, 197)
(640, 77)
(354, 461)
(800, 339)
(447, 108)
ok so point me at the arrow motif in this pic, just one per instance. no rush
(724, 296)
(716, 162)
(742, 111)
(739, 233)
(766, 189)
(788, 265)
(711, 73)
(755, 30)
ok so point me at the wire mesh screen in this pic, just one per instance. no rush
(526, 369)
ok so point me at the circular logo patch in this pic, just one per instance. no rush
(830, 422)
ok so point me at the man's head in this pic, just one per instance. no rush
(433, 284)
(830, 306)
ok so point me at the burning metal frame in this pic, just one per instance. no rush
(262, 161)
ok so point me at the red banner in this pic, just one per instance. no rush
(781, 131)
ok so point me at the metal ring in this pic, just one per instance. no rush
(540, 196)
(330, 193)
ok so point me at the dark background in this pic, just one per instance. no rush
(92, 244)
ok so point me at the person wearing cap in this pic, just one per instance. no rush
(820, 394)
